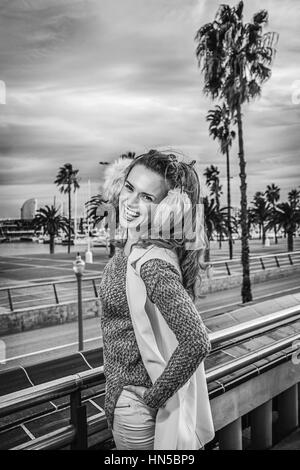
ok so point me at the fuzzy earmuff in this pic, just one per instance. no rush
(114, 179)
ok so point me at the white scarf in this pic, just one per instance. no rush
(185, 422)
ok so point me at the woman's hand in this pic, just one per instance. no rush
(138, 390)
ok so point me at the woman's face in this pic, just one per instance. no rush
(142, 190)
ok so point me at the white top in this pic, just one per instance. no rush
(185, 422)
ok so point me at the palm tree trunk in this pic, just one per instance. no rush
(263, 234)
(275, 235)
(229, 205)
(112, 250)
(69, 234)
(246, 284)
(207, 253)
(51, 244)
(219, 232)
(290, 241)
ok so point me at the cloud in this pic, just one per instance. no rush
(88, 80)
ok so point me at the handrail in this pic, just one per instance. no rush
(38, 394)
(247, 327)
(49, 283)
(257, 257)
(62, 436)
(73, 384)
(232, 366)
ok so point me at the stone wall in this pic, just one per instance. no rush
(228, 282)
(48, 315)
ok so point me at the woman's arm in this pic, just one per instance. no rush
(165, 289)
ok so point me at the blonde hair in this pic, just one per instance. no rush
(177, 174)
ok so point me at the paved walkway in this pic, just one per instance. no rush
(291, 442)
(32, 267)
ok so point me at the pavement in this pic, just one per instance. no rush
(30, 267)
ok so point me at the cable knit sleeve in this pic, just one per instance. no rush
(165, 289)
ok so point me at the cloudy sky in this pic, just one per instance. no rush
(87, 80)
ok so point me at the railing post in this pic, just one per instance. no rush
(277, 262)
(291, 261)
(95, 288)
(261, 426)
(228, 270)
(288, 411)
(79, 420)
(55, 293)
(230, 437)
(10, 301)
(262, 263)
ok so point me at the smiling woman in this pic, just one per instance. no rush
(142, 190)
(154, 339)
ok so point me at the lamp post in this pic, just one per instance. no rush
(88, 253)
(78, 268)
(111, 246)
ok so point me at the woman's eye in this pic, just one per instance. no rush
(128, 187)
(148, 198)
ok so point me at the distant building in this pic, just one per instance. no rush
(29, 208)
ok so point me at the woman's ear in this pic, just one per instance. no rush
(114, 179)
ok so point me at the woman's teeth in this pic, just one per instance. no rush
(130, 214)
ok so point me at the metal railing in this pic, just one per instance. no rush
(76, 433)
(34, 293)
(14, 298)
(274, 260)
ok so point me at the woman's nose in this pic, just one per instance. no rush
(132, 199)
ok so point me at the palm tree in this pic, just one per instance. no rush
(211, 221)
(215, 220)
(220, 128)
(288, 218)
(235, 58)
(213, 182)
(261, 212)
(273, 195)
(66, 179)
(93, 206)
(294, 197)
(97, 211)
(52, 222)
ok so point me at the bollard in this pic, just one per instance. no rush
(230, 437)
(288, 411)
(261, 426)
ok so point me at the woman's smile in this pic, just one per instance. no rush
(130, 214)
(142, 191)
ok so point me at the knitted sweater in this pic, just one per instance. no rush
(122, 360)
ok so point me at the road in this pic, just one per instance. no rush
(55, 341)
(26, 273)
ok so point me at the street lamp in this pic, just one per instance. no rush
(78, 268)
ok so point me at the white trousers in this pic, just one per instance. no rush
(134, 423)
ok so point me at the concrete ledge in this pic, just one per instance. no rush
(246, 397)
(228, 282)
(47, 315)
